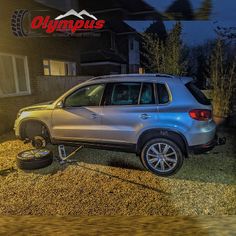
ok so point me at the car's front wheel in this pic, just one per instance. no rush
(162, 157)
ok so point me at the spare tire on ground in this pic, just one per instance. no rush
(34, 159)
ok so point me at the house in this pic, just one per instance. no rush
(28, 65)
(117, 51)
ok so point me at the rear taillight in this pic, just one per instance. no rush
(200, 114)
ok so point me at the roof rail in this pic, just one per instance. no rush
(164, 75)
(130, 75)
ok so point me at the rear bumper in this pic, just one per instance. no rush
(199, 149)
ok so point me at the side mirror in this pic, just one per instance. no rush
(60, 105)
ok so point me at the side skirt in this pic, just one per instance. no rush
(129, 148)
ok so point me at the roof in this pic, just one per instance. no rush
(120, 27)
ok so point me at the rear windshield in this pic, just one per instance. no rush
(198, 94)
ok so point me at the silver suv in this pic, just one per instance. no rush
(161, 118)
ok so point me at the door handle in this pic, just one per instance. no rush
(93, 116)
(145, 116)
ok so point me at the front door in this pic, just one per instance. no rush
(80, 117)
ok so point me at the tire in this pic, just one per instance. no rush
(34, 159)
(160, 151)
(17, 23)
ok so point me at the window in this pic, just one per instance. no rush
(147, 95)
(122, 94)
(162, 93)
(198, 94)
(87, 96)
(14, 78)
(59, 68)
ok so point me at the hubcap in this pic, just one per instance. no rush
(34, 153)
(161, 157)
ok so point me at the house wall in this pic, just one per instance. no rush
(101, 70)
(36, 49)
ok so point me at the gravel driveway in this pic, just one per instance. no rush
(113, 183)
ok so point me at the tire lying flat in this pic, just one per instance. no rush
(34, 159)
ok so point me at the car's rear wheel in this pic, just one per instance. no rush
(162, 157)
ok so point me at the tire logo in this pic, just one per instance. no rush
(46, 25)
(17, 23)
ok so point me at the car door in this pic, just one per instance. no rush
(128, 108)
(80, 117)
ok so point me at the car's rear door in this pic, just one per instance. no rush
(128, 107)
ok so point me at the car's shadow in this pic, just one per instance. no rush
(216, 167)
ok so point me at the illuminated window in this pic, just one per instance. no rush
(59, 68)
(14, 78)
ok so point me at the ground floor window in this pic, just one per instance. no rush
(59, 68)
(14, 76)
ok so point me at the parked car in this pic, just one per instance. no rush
(161, 118)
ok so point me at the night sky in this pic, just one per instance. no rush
(196, 32)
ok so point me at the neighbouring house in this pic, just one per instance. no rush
(117, 51)
(121, 54)
(30, 66)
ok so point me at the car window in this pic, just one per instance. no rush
(198, 94)
(147, 95)
(123, 94)
(162, 93)
(87, 96)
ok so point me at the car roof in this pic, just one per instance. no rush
(140, 77)
(125, 76)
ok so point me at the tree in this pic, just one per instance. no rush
(173, 48)
(198, 63)
(226, 33)
(204, 11)
(164, 56)
(179, 10)
(158, 29)
(222, 79)
(182, 10)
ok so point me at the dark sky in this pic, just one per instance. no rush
(196, 32)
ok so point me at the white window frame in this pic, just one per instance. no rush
(16, 79)
(49, 66)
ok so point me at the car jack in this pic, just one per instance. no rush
(63, 157)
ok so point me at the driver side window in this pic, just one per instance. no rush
(86, 96)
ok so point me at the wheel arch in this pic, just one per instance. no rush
(33, 125)
(174, 136)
